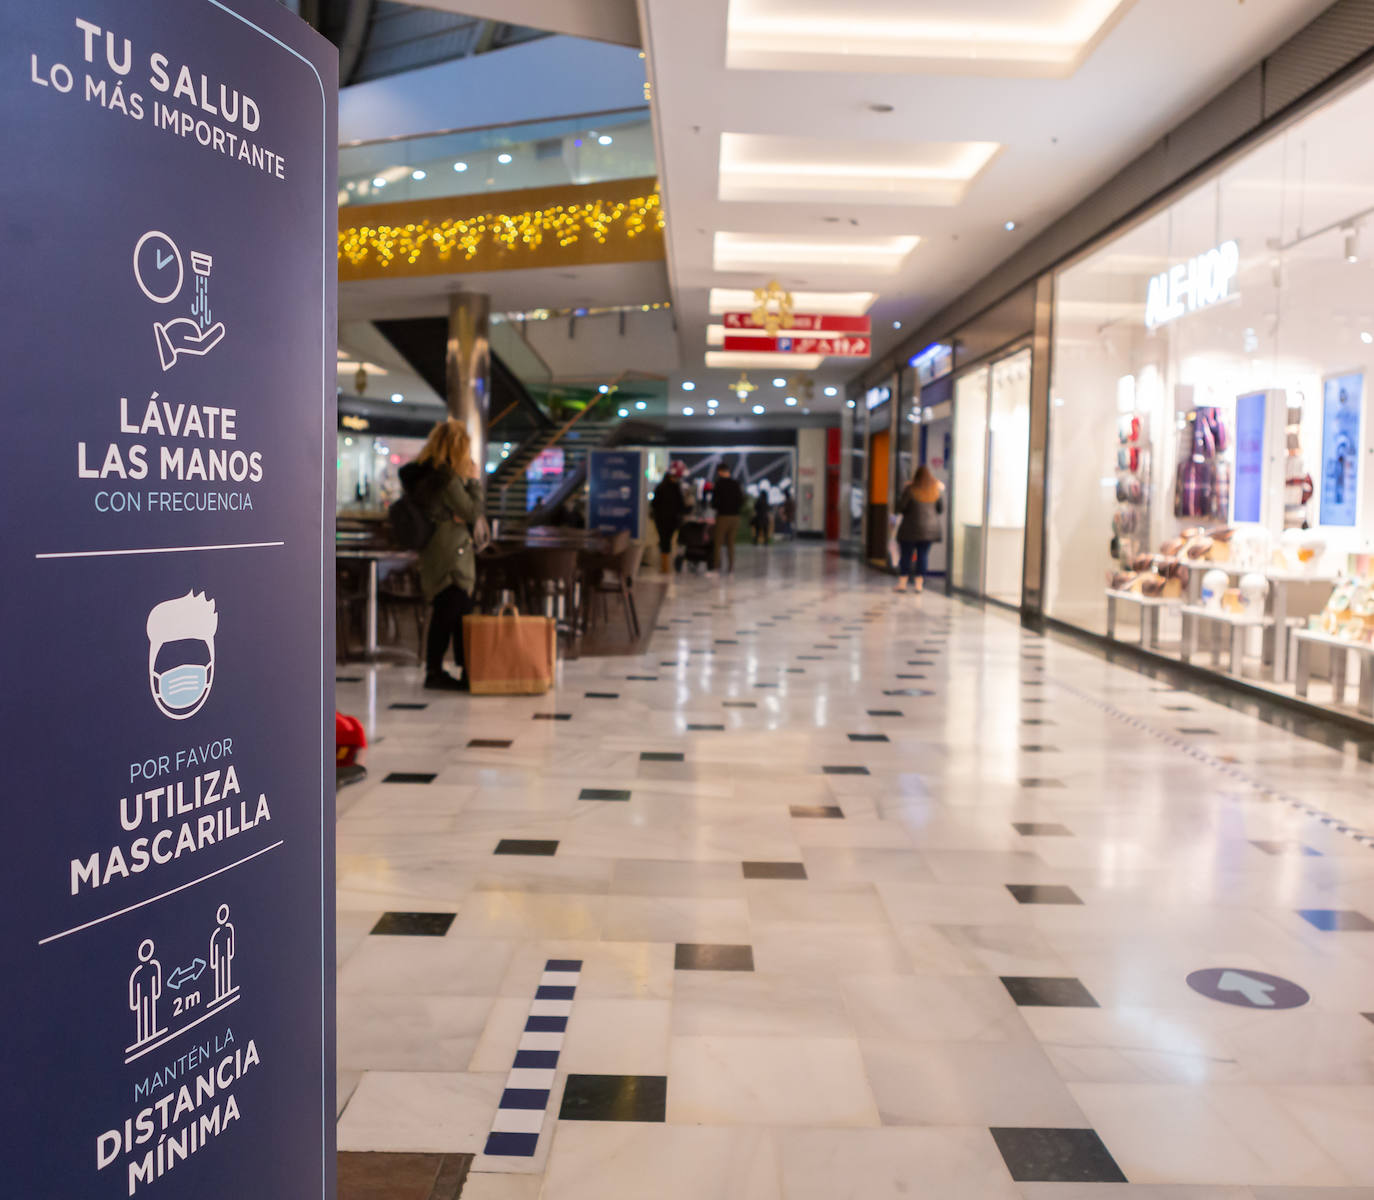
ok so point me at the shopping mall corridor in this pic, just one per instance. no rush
(842, 893)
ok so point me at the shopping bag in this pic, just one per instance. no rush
(509, 655)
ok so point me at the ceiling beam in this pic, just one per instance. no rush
(614, 21)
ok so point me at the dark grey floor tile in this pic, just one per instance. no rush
(884, 712)
(774, 870)
(489, 743)
(869, 737)
(692, 957)
(553, 716)
(1036, 721)
(1041, 829)
(845, 770)
(672, 756)
(414, 924)
(908, 692)
(1199, 732)
(1179, 708)
(900, 676)
(1036, 782)
(1057, 1156)
(830, 812)
(409, 777)
(705, 728)
(1043, 893)
(1336, 920)
(810, 657)
(604, 794)
(765, 685)
(348, 679)
(642, 678)
(526, 846)
(1038, 748)
(603, 695)
(1030, 991)
(740, 704)
(408, 707)
(642, 1098)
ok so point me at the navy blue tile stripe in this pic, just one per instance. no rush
(525, 1101)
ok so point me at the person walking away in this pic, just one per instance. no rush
(727, 498)
(444, 483)
(921, 511)
(669, 506)
(763, 517)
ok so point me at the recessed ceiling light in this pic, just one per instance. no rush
(1009, 226)
(603, 389)
(418, 174)
(396, 397)
(688, 411)
(460, 166)
(1367, 338)
(688, 385)
(641, 405)
(503, 158)
(896, 324)
(832, 391)
(605, 139)
(758, 408)
(849, 403)
(780, 382)
(791, 402)
(379, 182)
(624, 412)
(712, 403)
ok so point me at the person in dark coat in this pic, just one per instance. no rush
(669, 506)
(763, 517)
(727, 498)
(921, 510)
(444, 482)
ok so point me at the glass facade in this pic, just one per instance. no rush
(1209, 479)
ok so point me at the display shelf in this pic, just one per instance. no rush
(1239, 624)
(1307, 639)
(1150, 607)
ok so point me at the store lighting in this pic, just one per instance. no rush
(832, 391)
(491, 467)
(713, 404)
(605, 139)
(1010, 226)
(603, 389)
(460, 167)
(417, 174)
(1352, 245)
(896, 324)
(624, 412)
(505, 453)
(505, 445)
(503, 159)
(849, 403)
(758, 409)
(688, 385)
(641, 405)
(396, 397)
(688, 411)
(379, 182)
(791, 402)
(779, 382)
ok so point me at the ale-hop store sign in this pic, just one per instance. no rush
(1191, 286)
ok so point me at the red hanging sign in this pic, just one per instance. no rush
(805, 323)
(830, 347)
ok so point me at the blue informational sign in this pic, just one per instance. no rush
(1342, 399)
(168, 331)
(615, 481)
(1248, 497)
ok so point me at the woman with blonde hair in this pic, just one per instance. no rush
(921, 507)
(445, 485)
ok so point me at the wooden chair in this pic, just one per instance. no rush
(400, 592)
(614, 575)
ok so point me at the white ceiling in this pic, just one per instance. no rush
(1018, 107)
(600, 20)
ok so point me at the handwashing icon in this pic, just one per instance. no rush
(156, 256)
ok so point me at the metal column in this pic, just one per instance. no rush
(468, 360)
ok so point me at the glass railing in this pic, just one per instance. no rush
(582, 149)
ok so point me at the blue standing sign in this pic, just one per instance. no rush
(1248, 500)
(615, 490)
(169, 249)
(1342, 400)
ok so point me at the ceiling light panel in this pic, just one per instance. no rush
(777, 251)
(818, 170)
(985, 37)
(739, 360)
(841, 304)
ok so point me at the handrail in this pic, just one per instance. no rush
(505, 412)
(415, 137)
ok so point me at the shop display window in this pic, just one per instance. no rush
(1211, 449)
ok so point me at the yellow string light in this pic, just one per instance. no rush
(565, 224)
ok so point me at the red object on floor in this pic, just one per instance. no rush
(349, 738)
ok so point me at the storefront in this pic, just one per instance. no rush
(1207, 487)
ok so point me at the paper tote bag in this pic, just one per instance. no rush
(510, 655)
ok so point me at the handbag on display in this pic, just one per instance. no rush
(510, 655)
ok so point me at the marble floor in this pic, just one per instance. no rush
(841, 893)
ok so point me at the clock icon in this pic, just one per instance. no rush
(157, 267)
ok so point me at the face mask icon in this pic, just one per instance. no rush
(181, 654)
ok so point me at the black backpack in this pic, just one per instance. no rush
(411, 527)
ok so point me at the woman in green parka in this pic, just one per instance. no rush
(445, 484)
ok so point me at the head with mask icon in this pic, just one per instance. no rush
(181, 654)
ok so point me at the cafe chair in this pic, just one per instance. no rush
(400, 593)
(350, 607)
(614, 575)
